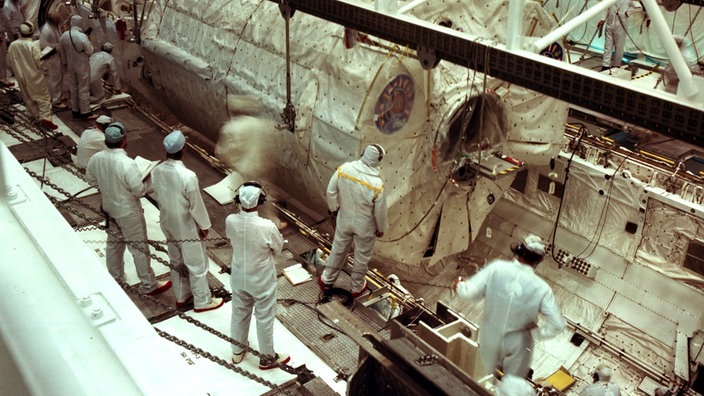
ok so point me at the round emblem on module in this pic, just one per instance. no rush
(393, 108)
(553, 50)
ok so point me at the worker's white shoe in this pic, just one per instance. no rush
(215, 303)
(238, 357)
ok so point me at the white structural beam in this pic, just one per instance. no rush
(668, 42)
(574, 23)
(514, 33)
(413, 4)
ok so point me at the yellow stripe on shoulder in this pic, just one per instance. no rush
(377, 190)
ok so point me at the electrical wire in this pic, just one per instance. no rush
(582, 132)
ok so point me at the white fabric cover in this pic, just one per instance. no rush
(209, 50)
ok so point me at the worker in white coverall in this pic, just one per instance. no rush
(23, 57)
(185, 222)
(255, 241)
(615, 33)
(4, 40)
(514, 297)
(356, 199)
(102, 64)
(49, 35)
(92, 140)
(14, 17)
(121, 187)
(512, 385)
(77, 48)
(602, 385)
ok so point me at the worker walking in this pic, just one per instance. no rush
(356, 199)
(185, 222)
(614, 26)
(91, 141)
(121, 187)
(77, 48)
(255, 241)
(103, 66)
(49, 35)
(602, 385)
(23, 57)
(514, 297)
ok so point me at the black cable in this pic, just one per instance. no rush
(582, 132)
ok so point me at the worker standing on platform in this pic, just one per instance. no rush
(77, 48)
(49, 35)
(121, 187)
(23, 57)
(614, 24)
(185, 223)
(255, 241)
(3, 46)
(92, 140)
(14, 17)
(102, 64)
(356, 191)
(602, 385)
(514, 297)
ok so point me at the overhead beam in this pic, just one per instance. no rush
(650, 109)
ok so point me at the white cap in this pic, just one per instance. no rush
(174, 142)
(103, 120)
(249, 196)
(534, 244)
(373, 154)
(26, 28)
(604, 372)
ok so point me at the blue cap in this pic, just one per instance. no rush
(114, 132)
(174, 142)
